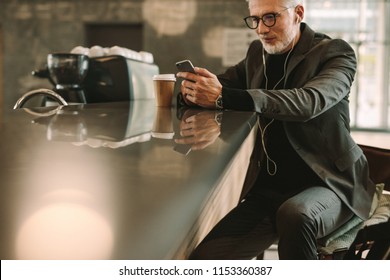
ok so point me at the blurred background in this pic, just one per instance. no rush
(211, 33)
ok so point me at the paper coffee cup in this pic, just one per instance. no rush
(164, 85)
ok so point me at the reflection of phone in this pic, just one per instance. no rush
(185, 66)
(183, 149)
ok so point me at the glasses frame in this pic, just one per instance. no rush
(257, 19)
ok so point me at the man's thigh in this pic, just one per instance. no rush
(320, 205)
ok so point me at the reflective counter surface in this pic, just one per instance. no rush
(110, 181)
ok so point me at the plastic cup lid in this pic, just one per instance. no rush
(166, 77)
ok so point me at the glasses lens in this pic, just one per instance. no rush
(252, 22)
(269, 20)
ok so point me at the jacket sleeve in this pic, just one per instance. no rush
(320, 81)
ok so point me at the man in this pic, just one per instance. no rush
(307, 176)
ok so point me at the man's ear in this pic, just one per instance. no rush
(299, 13)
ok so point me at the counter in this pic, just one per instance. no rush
(109, 181)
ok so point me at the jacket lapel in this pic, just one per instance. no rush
(303, 46)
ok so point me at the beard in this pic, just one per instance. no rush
(281, 46)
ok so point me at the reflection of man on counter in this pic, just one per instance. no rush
(199, 128)
(307, 176)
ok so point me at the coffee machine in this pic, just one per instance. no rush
(66, 72)
(119, 78)
(108, 78)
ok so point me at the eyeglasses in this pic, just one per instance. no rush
(269, 19)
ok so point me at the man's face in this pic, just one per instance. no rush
(278, 38)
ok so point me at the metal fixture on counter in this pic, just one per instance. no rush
(45, 92)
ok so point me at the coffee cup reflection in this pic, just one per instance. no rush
(163, 126)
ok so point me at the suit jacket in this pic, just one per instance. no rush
(313, 106)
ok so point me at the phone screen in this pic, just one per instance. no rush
(183, 149)
(185, 66)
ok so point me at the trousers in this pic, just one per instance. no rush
(259, 221)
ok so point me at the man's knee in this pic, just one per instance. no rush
(292, 217)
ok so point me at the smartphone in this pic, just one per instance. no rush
(185, 66)
(183, 149)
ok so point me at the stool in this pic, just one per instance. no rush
(336, 245)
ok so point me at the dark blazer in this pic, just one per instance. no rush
(313, 107)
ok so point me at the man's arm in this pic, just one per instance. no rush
(326, 76)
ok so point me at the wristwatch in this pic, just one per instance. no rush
(218, 118)
(219, 102)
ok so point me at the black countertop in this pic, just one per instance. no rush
(106, 181)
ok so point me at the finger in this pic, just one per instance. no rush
(185, 126)
(187, 88)
(188, 102)
(190, 119)
(187, 140)
(187, 76)
(183, 90)
(190, 97)
(187, 132)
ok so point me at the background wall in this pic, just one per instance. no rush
(172, 30)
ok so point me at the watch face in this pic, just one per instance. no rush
(218, 118)
(218, 102)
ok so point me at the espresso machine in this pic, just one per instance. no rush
(111, 77)
(66, 72)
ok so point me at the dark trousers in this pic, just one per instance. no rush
(259, 221)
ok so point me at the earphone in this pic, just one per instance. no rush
(262, 132)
